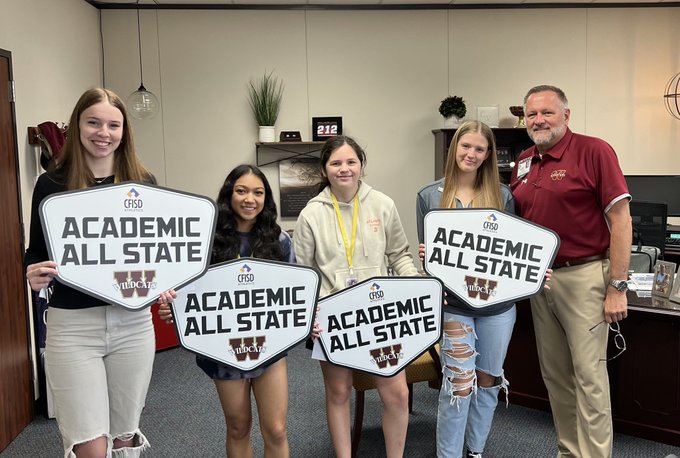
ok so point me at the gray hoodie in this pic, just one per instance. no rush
(380, 239)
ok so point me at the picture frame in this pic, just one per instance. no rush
(504, 156)
(664, 274)
(675, 291)
(488, 115)
(326, 127)
(298, 183)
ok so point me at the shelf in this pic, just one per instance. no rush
(273, 152)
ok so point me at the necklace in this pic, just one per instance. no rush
(100, 180)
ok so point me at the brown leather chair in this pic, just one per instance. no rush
(426, 368)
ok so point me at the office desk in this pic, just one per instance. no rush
(644, 380)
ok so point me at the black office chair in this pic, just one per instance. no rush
(649, 224)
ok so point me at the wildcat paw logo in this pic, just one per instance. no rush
(481, 288)
(376, 292)
(386, 356)
(133, 203)
(248, 348)
(246, 275)
(491, 224)
(137, 282)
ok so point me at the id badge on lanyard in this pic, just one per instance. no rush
(349, 245)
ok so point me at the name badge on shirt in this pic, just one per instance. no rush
(523, 167)
(351, 281)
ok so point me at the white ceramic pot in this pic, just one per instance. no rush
(452, 122)
(267, 134)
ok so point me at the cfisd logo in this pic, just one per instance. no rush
(248, 348)
(386, 355)
(136, 281)
(376, 293)
(246, 277)
(133, 203)
(480, 287)
(490, 225)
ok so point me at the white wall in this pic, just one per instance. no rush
(371, 68)
(385, 73)
(55, 57)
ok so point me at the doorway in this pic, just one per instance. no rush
(16, 390)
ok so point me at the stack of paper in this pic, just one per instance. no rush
(641, 282)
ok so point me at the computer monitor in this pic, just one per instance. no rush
(656, 188)
(649, 224)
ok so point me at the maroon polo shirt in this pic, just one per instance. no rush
(569, 190)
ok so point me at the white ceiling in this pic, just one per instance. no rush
(367, 3)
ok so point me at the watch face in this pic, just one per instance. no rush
(620, 285)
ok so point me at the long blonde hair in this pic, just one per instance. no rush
(71, 163)
(487, 183)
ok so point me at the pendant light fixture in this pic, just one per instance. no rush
(142, 104)
(672, 96)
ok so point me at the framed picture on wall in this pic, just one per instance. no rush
(325, 127)
(298, 182)
(664, 272)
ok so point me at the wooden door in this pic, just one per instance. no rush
(16, 392)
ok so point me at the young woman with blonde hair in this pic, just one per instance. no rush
(475, 341)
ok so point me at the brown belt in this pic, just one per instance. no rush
(579, 261)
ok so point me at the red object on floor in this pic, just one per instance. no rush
(165, 332)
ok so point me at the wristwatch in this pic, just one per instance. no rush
(619, 285)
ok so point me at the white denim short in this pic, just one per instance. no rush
(98, 363)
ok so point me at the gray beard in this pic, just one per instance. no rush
(543, 140)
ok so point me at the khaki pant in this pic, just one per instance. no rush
(573, 358)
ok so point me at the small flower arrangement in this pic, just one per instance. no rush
(453, 106)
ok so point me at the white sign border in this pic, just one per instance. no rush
(390, 278)
(256, 261)
(539, 285)
(124, 184)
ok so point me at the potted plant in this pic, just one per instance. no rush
(265, 96)
(453, 109)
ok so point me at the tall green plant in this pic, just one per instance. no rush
(265, 98)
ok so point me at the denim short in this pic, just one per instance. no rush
(219, 371)
(98, 363)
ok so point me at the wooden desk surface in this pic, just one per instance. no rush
(652, 304)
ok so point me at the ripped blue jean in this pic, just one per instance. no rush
(470, 344)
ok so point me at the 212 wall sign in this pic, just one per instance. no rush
(324, 128)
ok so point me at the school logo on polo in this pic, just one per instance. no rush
(247, 348)
(558, 175)
(385, 356)
(135, 281)
(490, 223)
(480, 287)
(133, 203)
(246, 275)
(376, 293)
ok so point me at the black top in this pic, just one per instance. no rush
(63, 296)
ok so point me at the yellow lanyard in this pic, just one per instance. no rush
(349, 248)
